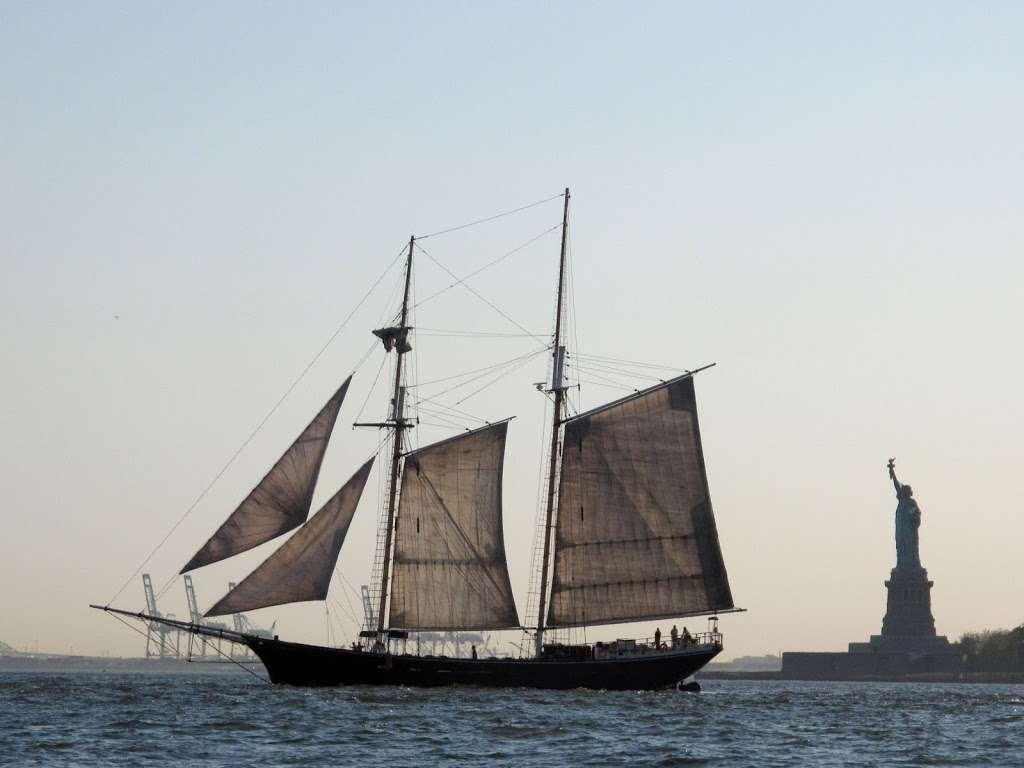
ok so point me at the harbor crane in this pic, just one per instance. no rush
(243, 625)
(196, 616)
(165, 639)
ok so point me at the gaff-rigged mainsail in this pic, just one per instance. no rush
(281, 500)
(450, 571)
(635, 536)
(301, 568)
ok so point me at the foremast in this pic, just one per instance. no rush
(558, 390)
(398, 426)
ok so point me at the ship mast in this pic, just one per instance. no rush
(558, 389)
(398, 425)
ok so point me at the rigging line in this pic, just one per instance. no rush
(442, 426)
(618, 371)
(358, 621)
(338, 629)
(490, 264)
(591, 366)
(327, 615)
(372, 387)
(347, 608)
(462, 413)
(521, 359)
(485, 369)
(645, 373)
(572, 308)
(619, 361)
(431, 413)
(474, 291)
(253, 434)
(411, 374)
(473, 333)
(491, 218)
(349, 584)
(386, 312)
(338, 619)
(163, 646)
(414, 315)
(498, 378)
(368, 352)
(449, 422)
(204, 640)
(434, 397)
(609, 386)
(608, 379)
(479, 335)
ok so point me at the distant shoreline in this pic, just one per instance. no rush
(1009, 678)
(115, 664)
(57, 664)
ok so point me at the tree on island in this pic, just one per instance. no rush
(993, 650)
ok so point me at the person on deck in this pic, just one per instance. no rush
(674, 634)
(686, 636)
(657, 639)
(474, 652)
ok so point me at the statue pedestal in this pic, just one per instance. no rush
(908, 611)
(908, 624)
(907, 648)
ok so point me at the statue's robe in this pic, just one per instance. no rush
(908, 520)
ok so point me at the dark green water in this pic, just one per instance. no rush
(221, 720)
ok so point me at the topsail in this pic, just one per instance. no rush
(282, 499)
(450, 571)
(635, 536)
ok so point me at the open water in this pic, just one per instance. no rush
(220, 720)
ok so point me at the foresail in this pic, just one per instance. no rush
(301, 568)
(635, 535)
(281, 500)
(450, 571)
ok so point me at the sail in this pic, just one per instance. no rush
(301, 568)
(450, 571)
(282, 499)
(635, 536)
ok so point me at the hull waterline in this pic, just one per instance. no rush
(311, 665)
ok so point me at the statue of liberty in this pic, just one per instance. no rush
(908, 520)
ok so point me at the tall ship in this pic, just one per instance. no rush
(627, 534)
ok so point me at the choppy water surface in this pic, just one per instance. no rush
(94, 720)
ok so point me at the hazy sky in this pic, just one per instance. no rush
(824, 200)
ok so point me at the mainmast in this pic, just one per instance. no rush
(398, 425)
(558, 389)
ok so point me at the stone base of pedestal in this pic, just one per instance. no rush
(875, 665)
(895, 644)
(908, 626)
(908, 612)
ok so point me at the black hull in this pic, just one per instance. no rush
(312, 665)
